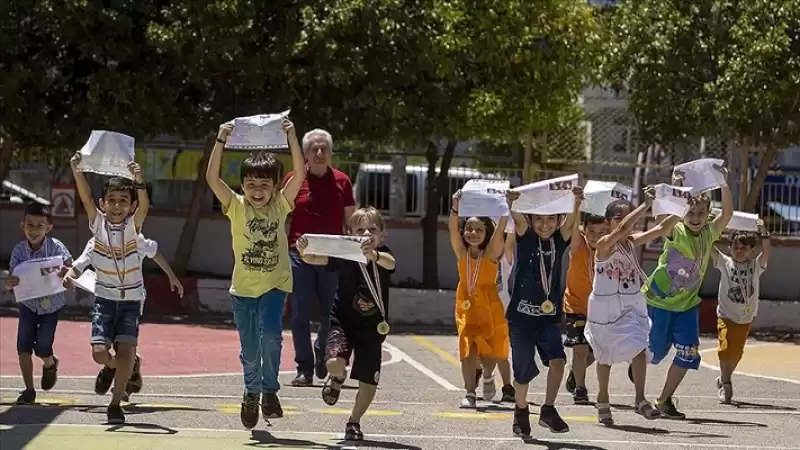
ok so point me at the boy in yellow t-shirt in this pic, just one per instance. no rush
(262, 275)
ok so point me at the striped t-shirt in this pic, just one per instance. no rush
(116, 260)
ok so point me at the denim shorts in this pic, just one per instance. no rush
(529, 338)
(115, 321)
(675, 329)
(35, 333)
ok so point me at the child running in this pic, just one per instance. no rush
(359, 319)
(482, 329)
(38, 317)
(738, 300)
(617, 326)
(576, 300)
(262, 275)
(534, 314)
(115, 223)
(671, 291)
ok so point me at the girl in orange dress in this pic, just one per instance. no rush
(479, 312)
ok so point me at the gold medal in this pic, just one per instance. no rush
(383, 328)
(46, 303)
(465, 304)
(548, 307)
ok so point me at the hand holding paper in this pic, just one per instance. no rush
(483, 198)
(598, 194)
(547, 197)
(38, 278)
(262, 131)
(335, 246)
(740, 220)
(703, 175)
(106, 153)
(671, 200)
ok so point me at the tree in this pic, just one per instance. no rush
(728, 68)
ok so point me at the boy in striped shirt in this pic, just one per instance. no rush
(119, 289)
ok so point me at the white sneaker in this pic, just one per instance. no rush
(489, 389)
(468, 401)
(724, 391)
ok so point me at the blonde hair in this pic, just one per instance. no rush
(368, 214)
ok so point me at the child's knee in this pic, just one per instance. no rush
(100, 354)
(687, 356)
(336, 365)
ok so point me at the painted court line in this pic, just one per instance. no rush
(438, 350)
(224, 434)
(710, 366)
(425, 371)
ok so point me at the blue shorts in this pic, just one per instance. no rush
(526, 340)
(36, 333)
(115, 321)
(678, 329)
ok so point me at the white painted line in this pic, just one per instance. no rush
(425, 371)
(434, 437)
(710, 366)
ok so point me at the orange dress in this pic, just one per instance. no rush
(483, 325)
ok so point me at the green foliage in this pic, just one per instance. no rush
(729, 68)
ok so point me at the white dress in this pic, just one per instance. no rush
(617, 325)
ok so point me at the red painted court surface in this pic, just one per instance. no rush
(166, 349)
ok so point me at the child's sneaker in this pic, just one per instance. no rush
(571, 384)
(668, 409)
(522, 421)
(303, 380)
(26, 397)
(320, 369)
(271, 406)
(724, 391)
(509, 394)
(50, 375)
(249, 411)
(114, 415)
(469, 400)
(104, 380)
(580, 396)
(135, 382)
(489, 389)
(352, 432)
(550, 419)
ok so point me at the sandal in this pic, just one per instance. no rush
(330, 394)
(604, 414)
(646, 410)
(352, 432)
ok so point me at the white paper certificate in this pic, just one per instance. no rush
(38, 278)
(701, 175)
(108, 153)
(740, 221)
(547, 197)
(86, 281)
(598, 195)
(484, 198)
(671, 200)
(263, 131)
(336, 246)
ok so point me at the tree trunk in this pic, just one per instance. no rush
(758, 182)
(6, 155)
(436, 186)
(183, 252)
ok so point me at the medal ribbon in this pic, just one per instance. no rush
(120, 275)
(374, 287)
(547, 279)
(472, 277)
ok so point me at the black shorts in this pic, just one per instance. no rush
(366, 348)
(575, 324)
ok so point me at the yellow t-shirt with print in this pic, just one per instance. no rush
(260, 246)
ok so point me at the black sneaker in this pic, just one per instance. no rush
(320, 369)
(135, 382)
(103, 381)
(580, 396)
(570, 384)
(249, 411)
(271, 406)
(509, 394)
(668, 409)
(50, 375)
(549, 418)
(522, 421)
(352, 432)
(115, 415)
(303, 380)
(26, 397)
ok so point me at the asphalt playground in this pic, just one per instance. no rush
(193, 387)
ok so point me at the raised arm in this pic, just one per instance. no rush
(662, 229)
(142, 199)
(572, 218)
(510, 243)
(292, 187)
(221, 190)
(520, 224)
(496, 244)
(314, 260)
(82, 186)
(625, 227)
(721, 221)
(456, 242)
(766, 245)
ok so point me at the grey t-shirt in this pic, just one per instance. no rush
(738, 288)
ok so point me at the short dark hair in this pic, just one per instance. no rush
(487, 223)
(119, 184)
(593, 219)
(260, 165)
(38, 209)
(744, 238)
(614, 208)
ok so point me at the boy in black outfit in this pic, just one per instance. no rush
(358, 317)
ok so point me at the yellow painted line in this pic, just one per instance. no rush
(490, 416)
(158, 406)
(438, 350)
(231, 408)
(42, 401)
(340, 411)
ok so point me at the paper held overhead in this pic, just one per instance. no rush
(740, 220)
(336, 246)
(599, 194)
(702, 175)
(547, 197)
(671, 200)
(259, 132)
(484, 198)
(107, 153)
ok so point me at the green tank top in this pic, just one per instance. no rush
(675, 283)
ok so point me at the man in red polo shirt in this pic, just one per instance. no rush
(323, 206)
